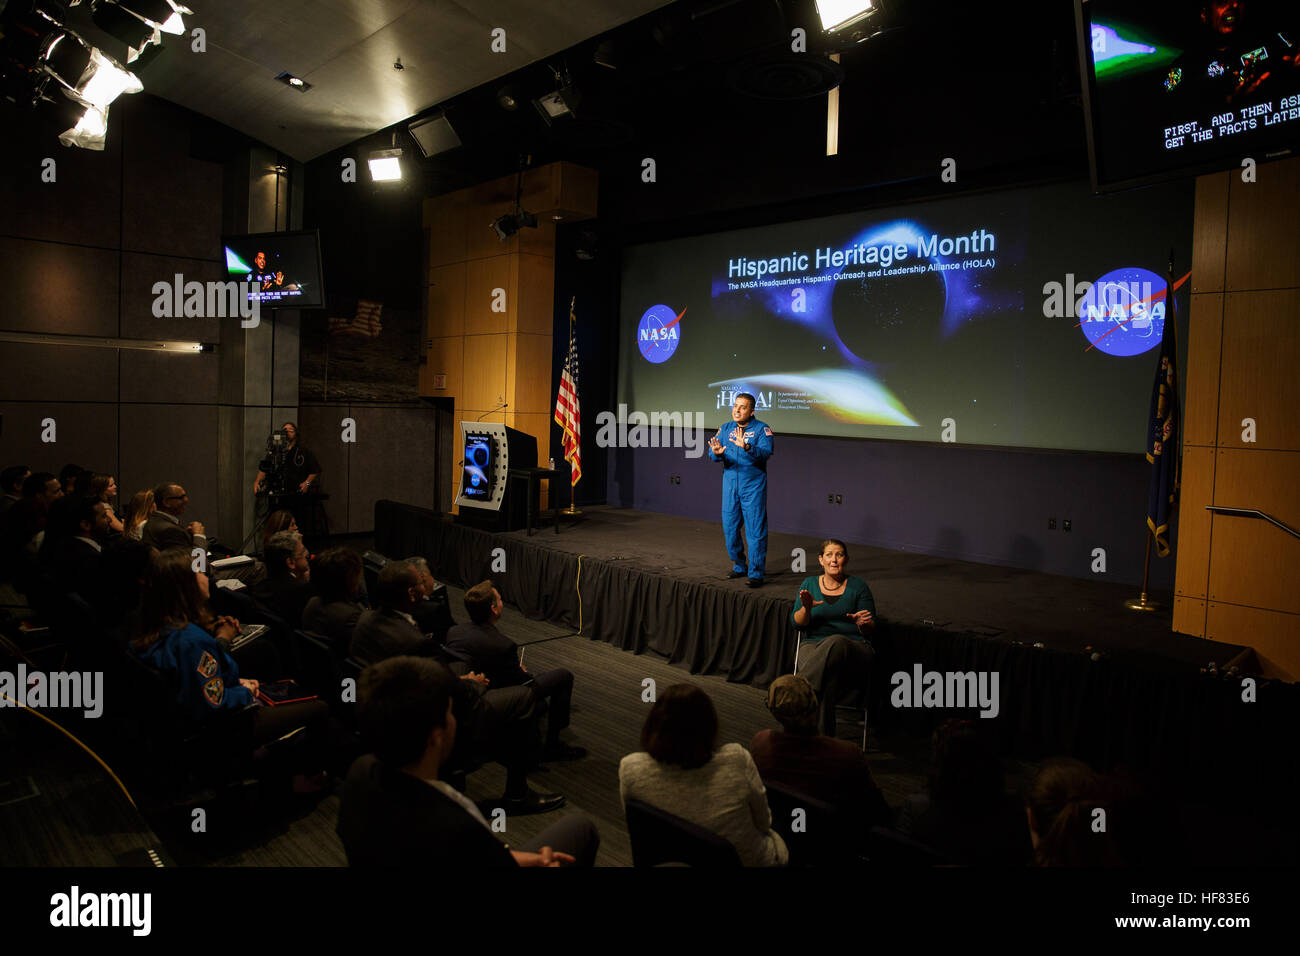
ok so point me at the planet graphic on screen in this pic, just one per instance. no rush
(659, 333)
(884, 320)
(1124, 312)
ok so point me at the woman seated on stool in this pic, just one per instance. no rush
(179, 637)
(683, 772)
(837, 614)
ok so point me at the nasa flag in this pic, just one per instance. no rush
(1163, 441)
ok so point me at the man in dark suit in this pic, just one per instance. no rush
(11, 486)
(285, 590)
(164, 530)
(393, 809)
(77, 560)
(488, 650)
(501, 721)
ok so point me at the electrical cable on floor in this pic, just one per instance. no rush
(70, 736)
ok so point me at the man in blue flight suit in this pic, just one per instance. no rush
(743, 446)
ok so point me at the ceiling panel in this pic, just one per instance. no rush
(346, 49)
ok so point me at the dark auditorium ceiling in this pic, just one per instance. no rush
(346, 50)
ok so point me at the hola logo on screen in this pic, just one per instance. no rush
(1124, 312)
(659, 333)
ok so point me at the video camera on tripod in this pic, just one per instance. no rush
(277, 453)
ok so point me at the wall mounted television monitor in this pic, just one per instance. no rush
(285, 265)
(1184, 87)
(477, 482)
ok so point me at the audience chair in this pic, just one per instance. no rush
(659, 837)
(823, 841)
(887, 847)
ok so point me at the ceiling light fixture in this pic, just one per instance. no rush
(294, 82)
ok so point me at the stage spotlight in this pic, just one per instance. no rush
(139, 23)
(507, 226)
(557, 105)
(89, 77)
(840, 16)
(385, 165)
(434, 134)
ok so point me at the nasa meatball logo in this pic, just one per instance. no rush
(659, 333)
(1124, 312)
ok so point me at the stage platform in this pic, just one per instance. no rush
(644, 581)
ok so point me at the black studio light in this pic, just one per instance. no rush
(139, 24)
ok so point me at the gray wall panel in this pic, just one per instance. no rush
(171, 202)
(51, 287)
(86, 435)
(175, 443)
(82, 203)
(57, 373)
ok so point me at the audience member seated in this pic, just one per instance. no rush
(433, 617)
(832, 771)
(77, 558)
(966, 813)
(70, 476)
(837, 614)
(395, 812)
(138, 511)
(164, 530)
(11, 485)
(336, 607)
(502, 722)
(285, 591)
(683, 773)
(104, 487)
(179, 638)
(24, 523)
(1059, 810)
(486, 649)
(278, 521)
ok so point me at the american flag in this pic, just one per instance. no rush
(365, 322)
(567, 414)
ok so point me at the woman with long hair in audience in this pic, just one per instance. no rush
(179, 637)
(138, 510)
(104, 487)
(683, 772)
(1062, 812)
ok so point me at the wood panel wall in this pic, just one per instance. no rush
(1238, 579)
(493, 357)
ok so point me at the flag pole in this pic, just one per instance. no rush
(1143, 602)
(572, 511)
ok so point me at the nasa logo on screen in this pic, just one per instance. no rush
(659, 333)
(1123, 313)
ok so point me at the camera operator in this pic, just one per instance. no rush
(299, 470)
